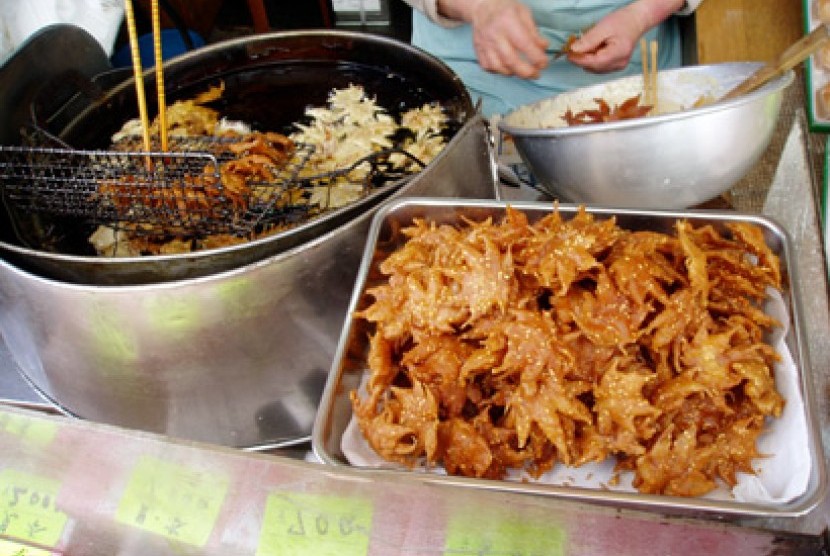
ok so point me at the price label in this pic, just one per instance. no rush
(32, 431)
(9, 548)
(505, 536)
(27, 508)
(172, 500)
(302, 524)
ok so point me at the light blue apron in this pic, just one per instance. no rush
(557, 20)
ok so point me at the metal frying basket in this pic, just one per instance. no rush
(192, 192)
(147, 192)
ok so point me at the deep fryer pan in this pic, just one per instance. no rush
(269, 81)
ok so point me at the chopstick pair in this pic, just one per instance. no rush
(649, 72)
(138, 74)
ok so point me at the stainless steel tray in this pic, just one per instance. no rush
(349, 364)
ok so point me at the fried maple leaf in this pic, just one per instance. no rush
(628, 109)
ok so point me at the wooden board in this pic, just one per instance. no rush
(746, 30)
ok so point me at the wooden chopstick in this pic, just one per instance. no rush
(653, 69)
(649, 72)
(160, 95)
(786, 61)
(137, 73)
(644, 62)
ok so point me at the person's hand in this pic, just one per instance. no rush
(607, 46)
(506, 39)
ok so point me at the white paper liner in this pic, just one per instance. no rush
(780, 477)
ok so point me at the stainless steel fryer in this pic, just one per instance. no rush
(269, 80)
(237, 358)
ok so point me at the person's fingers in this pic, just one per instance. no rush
(607, 45)
(520, 56)
(586, 43)
(489, 60)
(531, 43)
(508, 42)
(507, 60)
(611, 55)
(597, 62)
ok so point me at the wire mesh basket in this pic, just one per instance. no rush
(201, 187)
(194, 189)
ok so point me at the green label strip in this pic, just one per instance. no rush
(491, 535)
(27, 508)
(32, 431)
(315, 524)
(172, 500)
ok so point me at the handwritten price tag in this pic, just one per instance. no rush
(172, 500)
(28, 429)
(27, 508)
(302, 524)
(490, 535)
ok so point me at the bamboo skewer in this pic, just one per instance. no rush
(162, 102)
(137, 73)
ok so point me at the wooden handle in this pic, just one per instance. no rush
(788, 59)
(160, 95)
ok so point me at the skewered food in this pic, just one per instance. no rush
(509, 345)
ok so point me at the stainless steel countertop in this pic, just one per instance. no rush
(782, 187)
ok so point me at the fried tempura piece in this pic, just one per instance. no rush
(518, 345)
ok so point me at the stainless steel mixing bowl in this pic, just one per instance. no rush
(674, 160)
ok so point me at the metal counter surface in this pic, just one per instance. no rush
(791, 199)
(76, 487)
